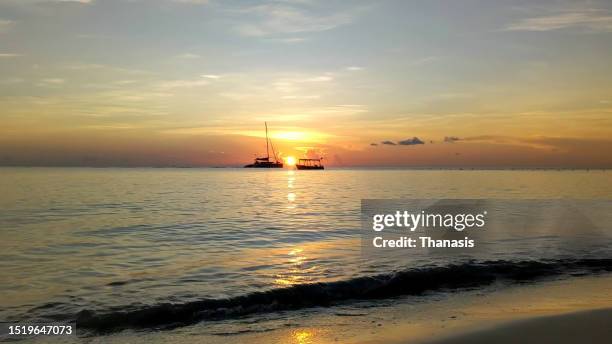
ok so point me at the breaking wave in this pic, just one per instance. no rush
(414, 281)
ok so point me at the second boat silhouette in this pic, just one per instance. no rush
(309, 164)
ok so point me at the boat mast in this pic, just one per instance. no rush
(267, 150)
(273, 151)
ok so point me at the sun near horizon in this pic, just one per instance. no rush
(290, 161)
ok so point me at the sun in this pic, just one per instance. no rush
(290, 160)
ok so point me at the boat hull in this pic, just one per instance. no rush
(265, 165)
(302, 167)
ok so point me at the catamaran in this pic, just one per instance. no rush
(265, 162)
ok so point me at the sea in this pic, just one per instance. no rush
(220, 252)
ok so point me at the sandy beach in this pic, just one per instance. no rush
(564, 328)
(566, 311)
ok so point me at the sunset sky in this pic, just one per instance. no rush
(361, 83)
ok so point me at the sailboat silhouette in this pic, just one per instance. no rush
(264, 162)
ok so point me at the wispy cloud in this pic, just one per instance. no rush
(299, 83)
(84, 66)
(74, 1)
(277, 18)
(532, 142)
(311, 113)
(321, 78)
(110, 68)
(7, 55)
(48, 2)
(590, 20)
(301, 97)
(188, 56)
(289, 40)
(354, 68)
(451, 139)
(425, 60)
(51, 82)
(11, 81)
(195, 2)
(5, 25)
(211, 76)
(183, 84)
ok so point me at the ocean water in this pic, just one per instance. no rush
(118, 249)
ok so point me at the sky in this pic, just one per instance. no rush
(415, 83)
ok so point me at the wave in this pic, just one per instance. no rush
(415, 281)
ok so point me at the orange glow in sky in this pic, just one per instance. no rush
(502, 85)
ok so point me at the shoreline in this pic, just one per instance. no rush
(530, 313)
(592, 326)
(474, 316)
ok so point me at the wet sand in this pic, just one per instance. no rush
(575, 310)
(581, 327)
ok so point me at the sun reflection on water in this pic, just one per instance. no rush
(303, 336)
(291, 195)
(299, 271)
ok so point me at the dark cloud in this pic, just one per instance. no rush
(390, 143)
(451, 139)
(373, 144)
(413, 141)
